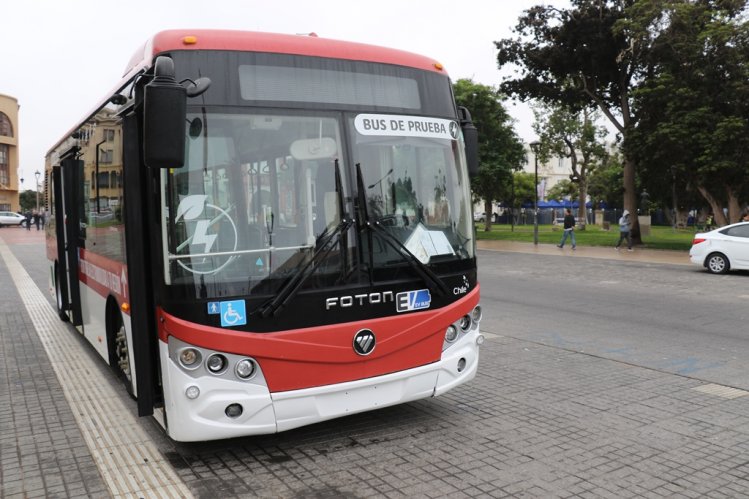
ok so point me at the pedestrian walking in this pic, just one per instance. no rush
(28, 220)
(624, 231)
(36, 219)
(569, 229)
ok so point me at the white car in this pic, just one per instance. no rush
(723, 249)
(11, 218)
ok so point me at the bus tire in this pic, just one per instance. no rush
(119, 350)
(61, 313)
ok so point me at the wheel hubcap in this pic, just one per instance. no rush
(123, 359)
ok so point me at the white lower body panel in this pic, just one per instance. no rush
(264, 412)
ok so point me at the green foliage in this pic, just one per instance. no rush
(664, 238)
(500, 150)
(605, 184)
(693, 132)
(524, 187)
(27, 200)
(564, 132)
(561, 190)
(575, 57)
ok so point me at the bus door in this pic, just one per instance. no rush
(61, 271)
(74, 229)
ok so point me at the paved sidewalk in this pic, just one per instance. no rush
(601, 252)
(42, 449)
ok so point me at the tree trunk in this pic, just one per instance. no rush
(582, 211)
(717, 209)
(734, 209)
(630, 199)
(488, 215)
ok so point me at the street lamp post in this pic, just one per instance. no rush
(37, 174)
(534, 147)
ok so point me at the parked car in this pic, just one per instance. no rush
(481, 216)
(722, 249)
(11, 218)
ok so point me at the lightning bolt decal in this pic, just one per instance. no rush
(201, 236)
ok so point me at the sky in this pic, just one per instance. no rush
(58, 58)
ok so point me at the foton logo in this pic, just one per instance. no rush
(413, 300)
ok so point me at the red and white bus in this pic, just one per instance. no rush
(260, 232)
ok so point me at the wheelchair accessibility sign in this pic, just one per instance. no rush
(233, 313)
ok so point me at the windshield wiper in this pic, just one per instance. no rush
(431, 279)
(290, 289)
(339, 234)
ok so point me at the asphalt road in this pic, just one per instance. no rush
(673, 318)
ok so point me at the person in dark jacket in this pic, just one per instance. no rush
(569, 229)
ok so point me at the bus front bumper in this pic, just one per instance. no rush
(205, 416)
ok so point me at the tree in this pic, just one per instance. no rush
(561, 190)
(576, 57)
(693, 131)
(605, 183)
(27, 200)
(566, 133)
(500, 150)
(524, 189)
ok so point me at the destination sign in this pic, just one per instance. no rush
(406, 126)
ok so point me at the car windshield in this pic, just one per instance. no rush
(256, 195)
(415, 186)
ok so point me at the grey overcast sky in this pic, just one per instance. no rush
(59, 57)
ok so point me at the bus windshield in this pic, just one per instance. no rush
(256, 195)
(257, 199)
(416, 186)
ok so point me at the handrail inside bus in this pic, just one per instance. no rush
(239, 252)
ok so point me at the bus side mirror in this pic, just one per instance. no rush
(164, 118)
(471, 138)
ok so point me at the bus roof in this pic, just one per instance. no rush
(253, 41)
(256, 41)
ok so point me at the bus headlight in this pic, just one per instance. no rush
(451, 334)
(465, 323)
(216, 363)
(189, 358)
(245, 368)
(477, 314)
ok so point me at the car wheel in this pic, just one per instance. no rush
(717, 263)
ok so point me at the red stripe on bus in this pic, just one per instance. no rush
(103, 275)
(317, 356)
(249, 41)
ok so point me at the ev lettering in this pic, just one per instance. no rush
(413, 300)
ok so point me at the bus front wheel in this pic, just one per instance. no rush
(119, 350)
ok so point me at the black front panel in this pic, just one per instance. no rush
(331, 305)
(239, 78)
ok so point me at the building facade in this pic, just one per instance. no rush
(9, 189)
(550, 172)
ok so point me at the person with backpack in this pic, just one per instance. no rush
(624, 233)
